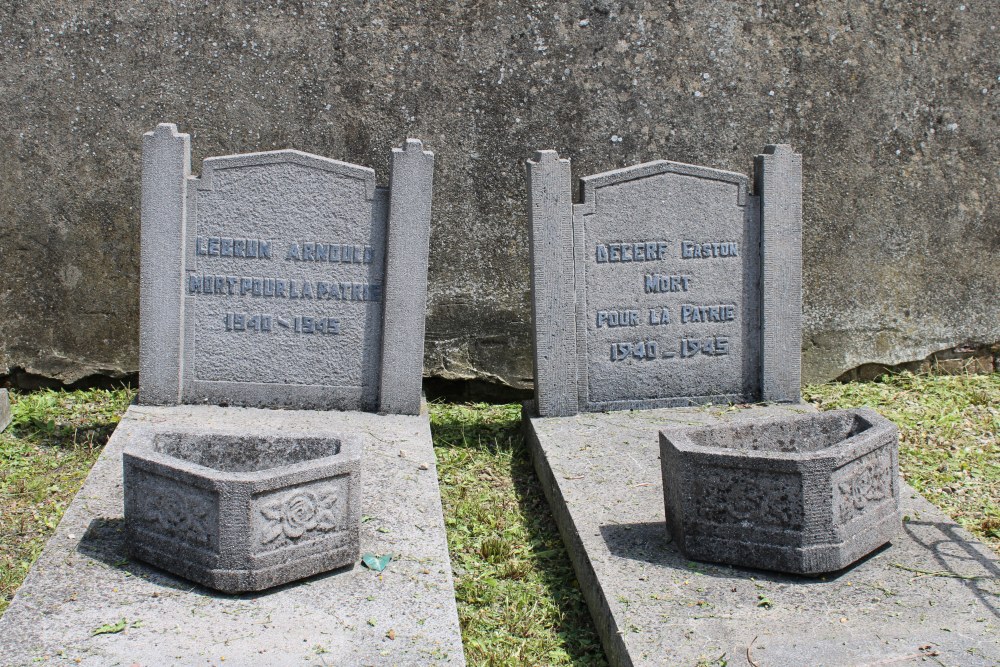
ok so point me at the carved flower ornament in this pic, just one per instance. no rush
(298, 513)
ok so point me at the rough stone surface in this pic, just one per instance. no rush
(405, 303)
(893, 105)
(668, 284)
(933, 589)
(83, 579)
(804, 494)
(5, 415)
(264, 280)
(242, 506)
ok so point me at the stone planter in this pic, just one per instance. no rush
(239, 512)
(804, 494)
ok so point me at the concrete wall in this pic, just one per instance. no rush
(892, 104)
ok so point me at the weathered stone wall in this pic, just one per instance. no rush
(892, 104)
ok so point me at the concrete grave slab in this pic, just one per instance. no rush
(353, 616)
(933, 593)
(282, 279)
(669, 284)
(5, 414)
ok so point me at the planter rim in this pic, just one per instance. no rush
(678, 437)
(141, 447)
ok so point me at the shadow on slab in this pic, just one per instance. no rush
(651, 543)
(104, 541)
(958, 557)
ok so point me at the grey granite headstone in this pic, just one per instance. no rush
(668, 285)
(282, 279)
(5, 415)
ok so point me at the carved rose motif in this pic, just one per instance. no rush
(298, 513)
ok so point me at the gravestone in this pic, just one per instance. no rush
(669, 288)
(282, 279)
(5, 415)
(282, 306)
(668, 285)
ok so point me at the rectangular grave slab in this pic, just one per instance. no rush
(668, 284)
(5, 415)
(930, 597)
(85, 579)
(282, 279)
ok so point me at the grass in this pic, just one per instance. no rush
(45, 454)
(518, 600)
(949, 438)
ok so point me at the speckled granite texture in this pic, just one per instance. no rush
(933, 590)
(353, 616)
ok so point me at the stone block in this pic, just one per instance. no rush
(241, 511)
(5, 415)
(282, 279)
(667, 285)
(804, 494)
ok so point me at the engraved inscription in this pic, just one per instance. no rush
(225, 246)
(282, 288)
(693, 250)
(641, 251)
(264, 323)
(345, 253)
(643, 350)
(658, 282)
(720, 313)
(712, 346)
(617, 318)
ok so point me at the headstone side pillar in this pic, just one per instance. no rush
(5, 415)
(166, 167)
(405, 287)
(553, 284)
(778, 183)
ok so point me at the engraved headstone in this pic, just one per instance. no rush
(5, 415)
(272, 280)
(667, 285)
(282, 279)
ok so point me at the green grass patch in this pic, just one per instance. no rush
(949, 438)
(45, 454)
(518, 599)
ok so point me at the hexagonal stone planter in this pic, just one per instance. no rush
(242, 512)
(804, 494)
